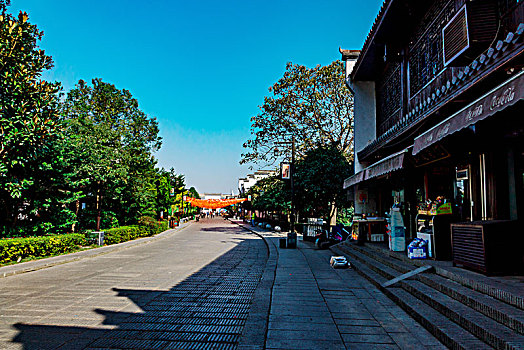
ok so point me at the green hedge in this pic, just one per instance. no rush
(128, 233)
(35, 247)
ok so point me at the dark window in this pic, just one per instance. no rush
(426, 59)
(389, 98)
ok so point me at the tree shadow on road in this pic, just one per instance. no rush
(224, 229)
(206, 310)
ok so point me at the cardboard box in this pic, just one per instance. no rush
(417, 252)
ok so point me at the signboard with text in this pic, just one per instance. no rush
(285, 171)
(502, 97)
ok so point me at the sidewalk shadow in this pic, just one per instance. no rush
(206, 310)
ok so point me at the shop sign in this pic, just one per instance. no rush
(286, 171)
(462, 174)
(362, 197)
(505, 95)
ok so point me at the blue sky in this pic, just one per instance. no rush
(201, 68)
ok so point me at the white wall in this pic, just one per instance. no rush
(252, 179)
(365, 117)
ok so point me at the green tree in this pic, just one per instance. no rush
(29, 120)
(110, 142)
(319, 179)
(192, 192)
(271, 194)
(169, 191)
(311, 104)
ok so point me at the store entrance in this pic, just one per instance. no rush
(462, 195)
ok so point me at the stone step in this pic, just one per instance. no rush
(485, 328)
(466, 278)
(446, 331)
(503, 313)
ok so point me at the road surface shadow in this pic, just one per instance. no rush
(232, 230)
(205, 311)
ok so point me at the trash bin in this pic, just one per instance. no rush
(282, 242)
(291, 240)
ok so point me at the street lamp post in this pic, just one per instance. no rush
(291, 236)
(292, 187)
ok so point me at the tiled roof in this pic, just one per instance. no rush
(383, 9)
(349, 54)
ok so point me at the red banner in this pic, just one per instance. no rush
(214, 203)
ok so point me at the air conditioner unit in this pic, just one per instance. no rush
(469, 32)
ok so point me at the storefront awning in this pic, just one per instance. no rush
(354, 179)
(494, 101)
(383, 166)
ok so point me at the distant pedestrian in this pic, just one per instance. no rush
(253, 219)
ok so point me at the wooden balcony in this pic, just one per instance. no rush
(451, 85)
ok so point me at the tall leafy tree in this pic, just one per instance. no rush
(318, 185)
(319, 179)
(311, 104)
(169, 187)
(110, 142)
(29, 119)
(271, 194)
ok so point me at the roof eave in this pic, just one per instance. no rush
(364, 53)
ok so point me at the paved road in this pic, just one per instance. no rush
(188, 290)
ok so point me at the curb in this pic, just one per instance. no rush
(35, 265)
(254, 335)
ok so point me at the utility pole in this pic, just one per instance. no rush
(291, 235)
(292, 187)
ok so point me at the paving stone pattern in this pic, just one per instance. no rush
(314, 306)
(191, 290)
(317, 307)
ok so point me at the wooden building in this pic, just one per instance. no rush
(439, 119)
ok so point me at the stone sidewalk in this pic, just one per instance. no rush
(313, 306)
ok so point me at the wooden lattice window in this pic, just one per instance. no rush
(389, 98)
(425, 49)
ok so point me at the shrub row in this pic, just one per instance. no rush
(128, 233)
(35, 247)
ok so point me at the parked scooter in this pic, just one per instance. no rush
(321, 238)
(326, 238)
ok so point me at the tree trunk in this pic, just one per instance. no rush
(77, 208)
(98, 206)
(332, 214)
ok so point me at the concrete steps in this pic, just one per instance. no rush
(498, 309)
(468, 279)
(460, 316)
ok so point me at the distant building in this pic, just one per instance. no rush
(213, 196)
(244, 184)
